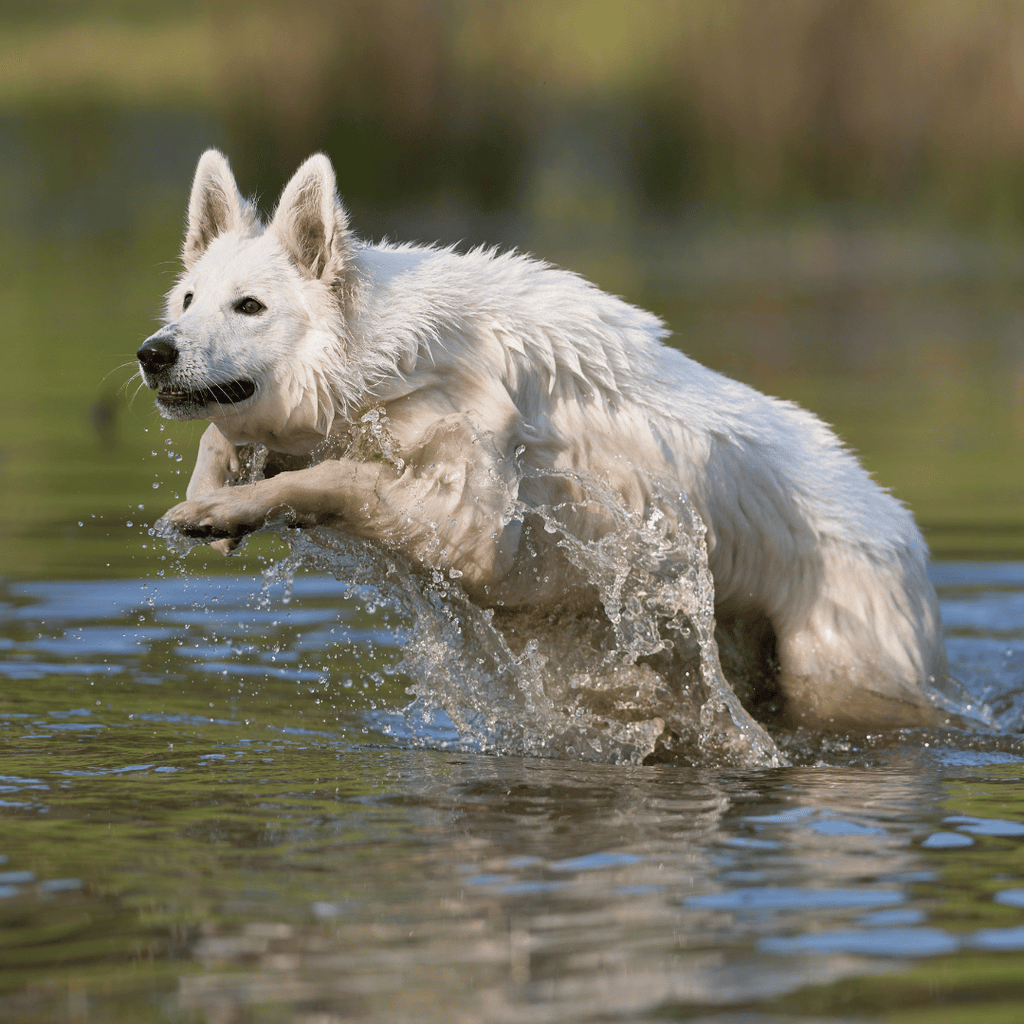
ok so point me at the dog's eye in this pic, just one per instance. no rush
(187, 301)
(250, 307)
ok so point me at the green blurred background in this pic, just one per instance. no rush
(824, 198)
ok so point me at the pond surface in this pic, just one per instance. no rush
(213, 809)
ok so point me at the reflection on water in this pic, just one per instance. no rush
(213, 810)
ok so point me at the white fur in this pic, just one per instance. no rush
(472, 357)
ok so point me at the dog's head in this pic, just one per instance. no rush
(255, 324)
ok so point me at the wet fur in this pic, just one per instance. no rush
(492, 374)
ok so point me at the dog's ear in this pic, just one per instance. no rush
(312, 224)
(216, 206)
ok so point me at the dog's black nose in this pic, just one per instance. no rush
(157, 354)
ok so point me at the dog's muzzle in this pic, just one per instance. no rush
(157, 355)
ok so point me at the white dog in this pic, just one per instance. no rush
(490, 378)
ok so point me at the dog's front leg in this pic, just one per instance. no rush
(445, 513)
(325, 494)
(218, 463)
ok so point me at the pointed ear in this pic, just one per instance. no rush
(215, 207)
(312, 224)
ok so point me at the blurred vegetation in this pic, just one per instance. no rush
(824, 198)
(730, 103)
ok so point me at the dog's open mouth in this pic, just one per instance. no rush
(227, 393)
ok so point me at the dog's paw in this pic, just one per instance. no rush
(226, 515)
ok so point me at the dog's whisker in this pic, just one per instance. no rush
(135, 394)
(131, 362)
(135, 376)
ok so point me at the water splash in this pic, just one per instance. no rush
(628, 672)
(632, 676)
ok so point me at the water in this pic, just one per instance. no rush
(215, 810)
